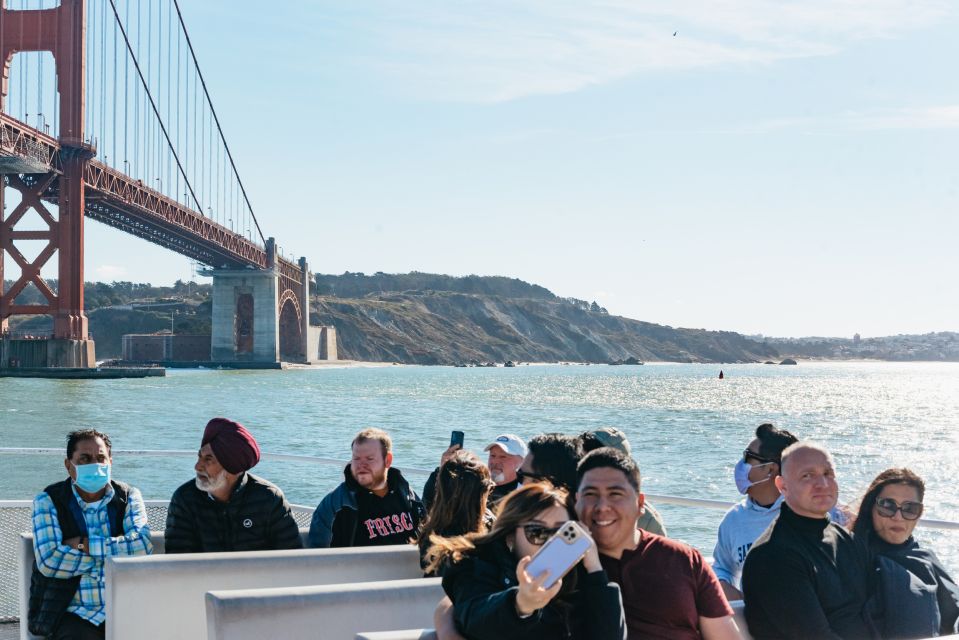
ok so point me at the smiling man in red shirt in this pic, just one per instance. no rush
(669, 590)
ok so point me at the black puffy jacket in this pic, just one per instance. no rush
(256, 518)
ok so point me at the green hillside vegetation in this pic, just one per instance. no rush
(479, 319)
(119, 308)
(358, 285)
(423, 318)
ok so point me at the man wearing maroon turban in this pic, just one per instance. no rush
(226, 508)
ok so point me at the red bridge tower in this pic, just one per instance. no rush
(61, 31)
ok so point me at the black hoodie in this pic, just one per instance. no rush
(351, 516)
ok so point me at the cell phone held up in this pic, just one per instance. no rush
(560, 553)
(456, 439)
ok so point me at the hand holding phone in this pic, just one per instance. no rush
(456, 443)
(532, 595)
(561, 552)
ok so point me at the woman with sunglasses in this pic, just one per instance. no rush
(887, 517)
(495, 598)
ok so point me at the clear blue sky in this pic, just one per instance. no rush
(785, 167)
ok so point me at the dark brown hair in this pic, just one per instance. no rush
(516, 509)
(555, 456)
(462, 488)
(607, 457)
(372, 433)
(862, 526)
(773, 441)
(79, 435)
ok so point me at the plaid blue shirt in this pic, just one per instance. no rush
(57, 560)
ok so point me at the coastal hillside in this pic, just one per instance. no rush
(117, 308)
(431, 319)
(437, 319)
(942, 346)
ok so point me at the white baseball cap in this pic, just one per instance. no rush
(510, 443)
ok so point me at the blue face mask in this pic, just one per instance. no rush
(742, 476)
(92, 477)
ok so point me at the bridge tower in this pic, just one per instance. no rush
(262, 315)
(62, 32)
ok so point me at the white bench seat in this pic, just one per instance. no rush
(333, 612)
(163, 596)
(407, 634)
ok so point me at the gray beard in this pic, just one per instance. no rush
(213, 484)
(498, 478)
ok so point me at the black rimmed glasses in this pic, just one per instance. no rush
(538, 534)
(747, 454)
(887, 508)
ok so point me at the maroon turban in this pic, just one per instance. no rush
(234, 447)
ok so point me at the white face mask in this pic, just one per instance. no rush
(741, 474)
(213, 484)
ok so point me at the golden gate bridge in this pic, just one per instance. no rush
(105, 114)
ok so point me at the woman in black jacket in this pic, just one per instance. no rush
(493, 596)
(887, 517)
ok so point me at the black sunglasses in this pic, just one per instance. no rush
(533, 477)
(538, 534)
(747, 454)
(887, 508)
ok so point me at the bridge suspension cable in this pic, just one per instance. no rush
(216, 119)
(156, 112)
(148, 111)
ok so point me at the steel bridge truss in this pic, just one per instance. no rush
(33, 165)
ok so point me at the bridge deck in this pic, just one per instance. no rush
(131, 206)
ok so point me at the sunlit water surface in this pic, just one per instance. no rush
(686, 426)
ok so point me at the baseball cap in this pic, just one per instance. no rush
(510, 443)
(612, 437)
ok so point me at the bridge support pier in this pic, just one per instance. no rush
(62, 31)
(245, 322)
(41, 353)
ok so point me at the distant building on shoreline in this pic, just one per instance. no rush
(164, 346)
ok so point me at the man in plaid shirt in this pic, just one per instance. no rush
(77, 524)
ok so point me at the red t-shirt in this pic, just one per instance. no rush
(666, 587)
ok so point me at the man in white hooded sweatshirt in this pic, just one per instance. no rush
(755, 478)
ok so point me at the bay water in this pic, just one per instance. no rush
(686, 426)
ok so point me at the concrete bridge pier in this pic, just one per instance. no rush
(245, 322)
(263, 316)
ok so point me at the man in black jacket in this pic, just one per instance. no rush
(805, 577)
(226, 508)
(374, 504)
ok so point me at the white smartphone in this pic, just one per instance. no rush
(561, 552)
